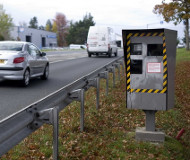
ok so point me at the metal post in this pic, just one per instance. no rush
(122, 64)
(105, 76)
(95, 83)
(55, 133)
(50, 116)
(107, 84)
(113, 76)
(78, 95)
(150, 120)
(97, 92)
(112, 70)
(82, 110)
(118, 67)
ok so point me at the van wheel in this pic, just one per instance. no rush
(26, 78)
(109, 53)
(115, 54)
(89, 54)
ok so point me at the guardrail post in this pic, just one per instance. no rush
(78, 95)
(95, 83)
(104, 75)
(117, 65)
(112, 70)
(122, 64)
(50, 116)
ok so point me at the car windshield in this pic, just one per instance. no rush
(11, 46)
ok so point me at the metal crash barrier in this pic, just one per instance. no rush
(20, 125)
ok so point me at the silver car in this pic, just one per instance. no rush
(22, 61)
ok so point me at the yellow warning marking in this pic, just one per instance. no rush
(165, 69)
(136, 34)
(161, 34)
(164, 57)
(142, 34)
(164, 90)
(128, 87)
(128, 43)
(165, 63)
(129, 35)
(156, 91)
(148, 34)
(128, 62)
(128, 81)
(150, 90)
(144, 90)
(128, 49)
(128, 68)
(165, 82)
(154, 34)
(165, 76)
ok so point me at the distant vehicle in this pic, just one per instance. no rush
(180, 45)
(77, 46)
(22, 61)
(101, 40)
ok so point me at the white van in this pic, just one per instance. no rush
(101, 40)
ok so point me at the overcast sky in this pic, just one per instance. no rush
(119, 14)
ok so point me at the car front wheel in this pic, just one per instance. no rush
(46, 73)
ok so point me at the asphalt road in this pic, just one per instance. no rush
(63, 71)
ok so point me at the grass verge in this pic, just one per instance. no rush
(109, 131)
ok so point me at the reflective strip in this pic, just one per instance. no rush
(128, 49)
(165, 82)
(164, 63)
(142, 34)
(164, 90)
(128, 68)
(154, 34)
(129, 35)
(128, 43)
(150, 90)
(144, 90)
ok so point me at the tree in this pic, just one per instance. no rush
(54, 27)
(33, 23)
(48, 25)
(5, 24)
(177, 11)
(78, 31)
(41, 27)
(61, 25)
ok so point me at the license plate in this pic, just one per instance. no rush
(2, 60)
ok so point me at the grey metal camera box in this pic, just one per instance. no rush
(150, 57)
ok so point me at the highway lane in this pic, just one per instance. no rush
(13, 97)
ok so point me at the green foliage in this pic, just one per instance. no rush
(78, 31)
(48, 25)
(5, 24)
(176, 11)
(33, 23)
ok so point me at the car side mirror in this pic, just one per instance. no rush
(43, 54)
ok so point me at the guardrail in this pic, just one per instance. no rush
(18, 126)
